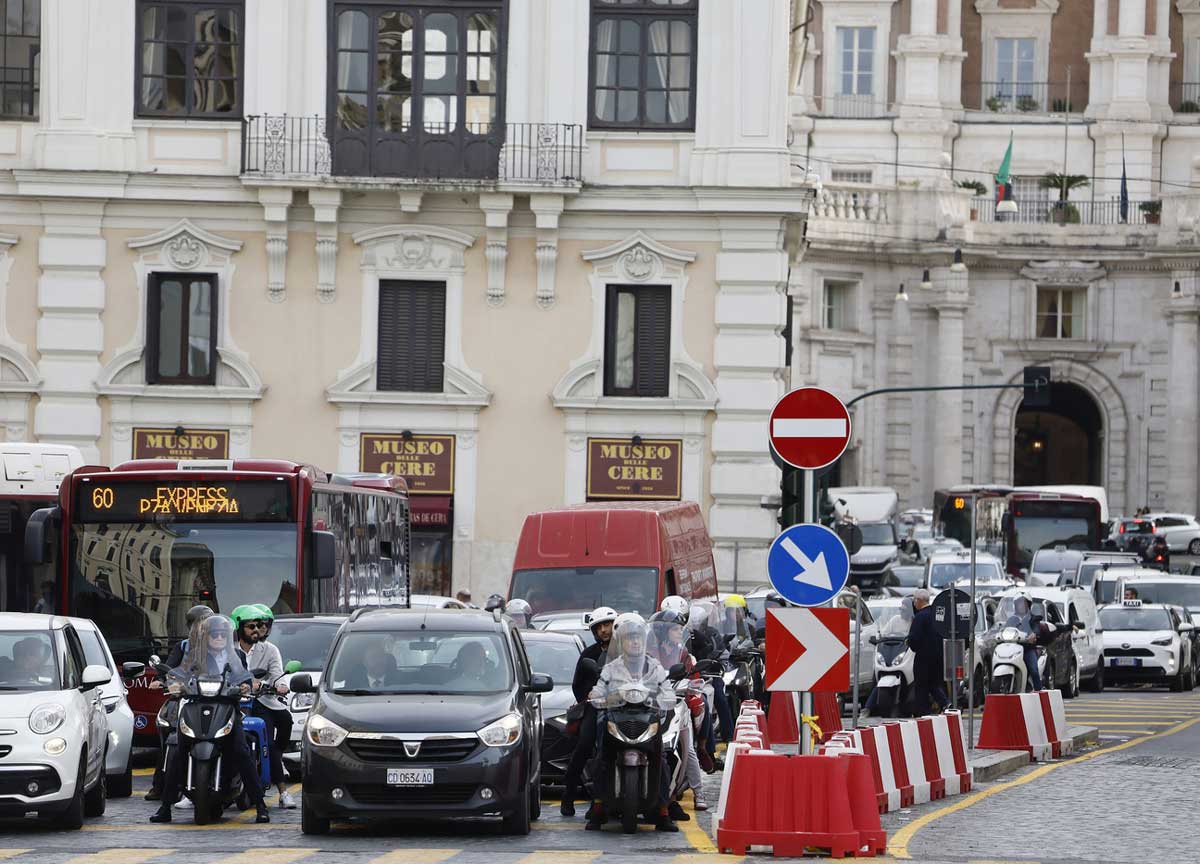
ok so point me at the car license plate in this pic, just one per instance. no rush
(1126, 661)
(410, 777)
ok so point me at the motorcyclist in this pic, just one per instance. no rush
(211, 652)
(1022, 619)
(520, 612)
(668, 632)
(253, 624)
(632, 664)
(494, 602)
(896, 627)
(600, 622)
(674, 603)
(193, 618)
(707, 644)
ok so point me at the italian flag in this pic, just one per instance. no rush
(1003, 177)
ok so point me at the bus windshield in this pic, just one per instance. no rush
(137, 580)
(630, 589)
(1031, 533)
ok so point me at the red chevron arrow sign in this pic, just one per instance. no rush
(808, 650)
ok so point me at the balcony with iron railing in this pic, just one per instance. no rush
(1044, 212)
(301, 148)
(1030, 98)
(1184, 98)
(850, 106)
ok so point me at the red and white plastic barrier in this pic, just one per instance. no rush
(1033, 722)
(784, 716)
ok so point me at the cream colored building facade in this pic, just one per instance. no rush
(119, 185)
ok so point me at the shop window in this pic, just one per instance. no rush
(181, 331)
(412, 336)
(637, 346)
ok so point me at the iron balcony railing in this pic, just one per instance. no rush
(1106, 212)
(282, 145)
(1026, 97)
(1185, 97)
(851, 106)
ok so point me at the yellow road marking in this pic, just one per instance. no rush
(898, 848)
(1107, 729)
(12, 853)
(119, 856)
(581, 856)
(267, 856)
(415, 856)
(1101, 721)
(700, 858)
(694, 834)
(143, 772)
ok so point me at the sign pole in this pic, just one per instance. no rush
(971, 647)
(806, 703)
(857, 661)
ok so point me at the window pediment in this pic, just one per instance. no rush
(1063, 273)
(404, 248)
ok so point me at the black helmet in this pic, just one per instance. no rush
(496, 601)
(197, 613)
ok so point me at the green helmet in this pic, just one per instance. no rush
(264, 612)
(242, 614)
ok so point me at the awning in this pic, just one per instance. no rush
(431, 511)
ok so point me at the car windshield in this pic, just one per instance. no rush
(434, 662)
(630, 589)
(553, 657)
(909, 577)
(27, 661)
(1169, 591)
(1054, 561)
(878, 533)
(305, 641)
(1133, 618)
(941, 575)
(136, 581)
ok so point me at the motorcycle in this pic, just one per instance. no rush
(1009, 672)
(206, 713)
(893, 675)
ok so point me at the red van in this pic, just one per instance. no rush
(627, 555)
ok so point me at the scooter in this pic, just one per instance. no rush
(1009, 672)
(893, 675)
(206, 714)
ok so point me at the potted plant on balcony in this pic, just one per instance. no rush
(995, 104)
(980, 191)
(1188, 107)
(1063, 211)
(1152, 211)
(1026, 103)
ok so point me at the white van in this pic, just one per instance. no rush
(873, 509)
(1076, 604)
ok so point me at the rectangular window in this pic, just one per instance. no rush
(838, 308)
(20, 59)
(643, 65)
(637, 341)
(1060, 313)
(190, 59)
(1014, 67)
(181, 330)
(857, 47)
(412, 336)
(849, 176)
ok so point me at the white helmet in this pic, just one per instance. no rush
(675, 603)
(599, 615)
(629, 618)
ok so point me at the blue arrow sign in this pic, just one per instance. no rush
(808, 564)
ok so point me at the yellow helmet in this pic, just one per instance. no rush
(735, 600)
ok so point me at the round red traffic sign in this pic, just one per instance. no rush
(810, 428)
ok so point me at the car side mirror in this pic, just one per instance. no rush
(1079, 625)
(874, 640)
(94, 676)
(324, 554)
(132, 670)
(1186, 628)
(39, 530)
(302, 683)
(677, 672)
(539, 683)
(292, 667)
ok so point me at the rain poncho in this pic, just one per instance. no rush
(631, 674)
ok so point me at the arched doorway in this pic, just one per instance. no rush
(1062, 443)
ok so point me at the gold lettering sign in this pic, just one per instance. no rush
(192, 444)
(425, 461)
(619, 470)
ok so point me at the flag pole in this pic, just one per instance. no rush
(1066, 132)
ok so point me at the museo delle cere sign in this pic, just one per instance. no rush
(426, 462)
(619, 470)
(192, 444)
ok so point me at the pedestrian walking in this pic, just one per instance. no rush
(926, 643)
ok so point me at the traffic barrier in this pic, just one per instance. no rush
(782, 725)
(863, 803)
(1033, 722)
(828, 714)
(791, 803)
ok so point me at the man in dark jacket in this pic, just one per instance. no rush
(926, 644)
(600, 621)
(174, 659)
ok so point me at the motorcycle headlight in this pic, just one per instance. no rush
(322, 732)
(502, 733)
(633, 695)
(209, 688)
(898, 660)
(302, 701)
(184, 728)
(1010, 634)
(44, 719)
(226, 729)
(615, 731)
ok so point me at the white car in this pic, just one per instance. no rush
(1181, 530)
(1147, 642)
(52, 721)
(1076, 604)
(946, 568)
(119, 765)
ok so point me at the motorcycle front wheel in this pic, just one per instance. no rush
(207, 804)
(886, 703)
(1002, 684)
(630, 795)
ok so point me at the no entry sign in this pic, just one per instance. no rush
(810, 428)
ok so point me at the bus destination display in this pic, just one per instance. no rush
(216, 501)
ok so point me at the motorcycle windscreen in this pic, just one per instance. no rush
(632, 673)
(895, 621)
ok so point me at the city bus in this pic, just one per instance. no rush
(134, 547)
(952, 513)
(1044, 520)
(30, 481)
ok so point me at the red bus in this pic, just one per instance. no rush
(1043, 520)
(134, 547)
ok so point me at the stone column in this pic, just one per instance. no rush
(923, 18)
(900, 405)
(1183, 402)
(752, 269)
(1131, 20)
(70, 334)
(874, 447)
(948, 404)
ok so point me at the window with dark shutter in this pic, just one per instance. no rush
(637, 343)
(181, 328)
(412, 336)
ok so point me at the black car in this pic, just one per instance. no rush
(555, 654)
(423, 714)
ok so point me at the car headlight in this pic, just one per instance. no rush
(302, 701)
(502, 733)
(1166, 640)
(44, 719)
(323, 732)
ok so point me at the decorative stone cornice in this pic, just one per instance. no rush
(1060, 272)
